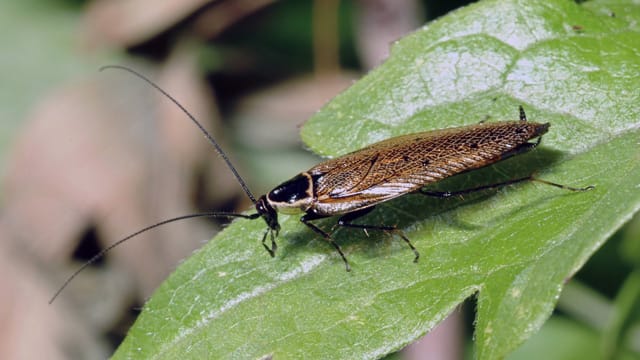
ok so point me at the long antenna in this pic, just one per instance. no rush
(163, 222)
(204, 131)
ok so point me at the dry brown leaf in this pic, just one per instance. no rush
(97, 154)
(381, 22)
(272, 116)
(124, 23)
(31, 329)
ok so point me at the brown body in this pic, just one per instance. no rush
(405, 164)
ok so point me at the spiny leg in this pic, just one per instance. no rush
(564, 187)
(521, 149)
(274, 246)
(311, 216)
(346, 221)
(446, 194)
(523, 116)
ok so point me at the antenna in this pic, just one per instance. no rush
(183, 217)
(204, 131)
(163, 222)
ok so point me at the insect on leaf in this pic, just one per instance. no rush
(513, 248)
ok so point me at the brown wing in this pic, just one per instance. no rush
(404, 164)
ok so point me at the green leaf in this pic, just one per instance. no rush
(573, 66)
(562, 339)
(626, 313)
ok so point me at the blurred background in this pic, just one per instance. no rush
(87, 157)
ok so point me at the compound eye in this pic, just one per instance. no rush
(261, 206)
(291, 191)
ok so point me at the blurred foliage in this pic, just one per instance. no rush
(563, 339)
(39, 52)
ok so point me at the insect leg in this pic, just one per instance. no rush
(311, 216)
(523, 116)
(526, 147)
(446, 194)
(346, 221)
(274, 246)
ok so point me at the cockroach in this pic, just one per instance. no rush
(350, 186)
